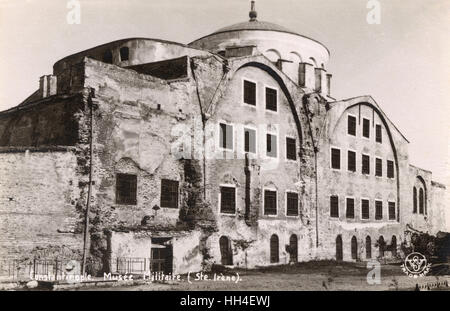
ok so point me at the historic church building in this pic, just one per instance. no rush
(228, 150)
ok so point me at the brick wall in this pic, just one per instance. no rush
(38, 194)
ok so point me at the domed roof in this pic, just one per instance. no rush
(255, 25)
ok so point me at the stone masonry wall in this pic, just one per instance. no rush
(38, 195)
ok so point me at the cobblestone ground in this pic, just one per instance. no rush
(312, 276)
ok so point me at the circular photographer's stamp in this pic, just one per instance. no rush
(416, 265)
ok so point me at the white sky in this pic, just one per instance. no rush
(403, 63)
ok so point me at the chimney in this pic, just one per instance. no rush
(47, 86)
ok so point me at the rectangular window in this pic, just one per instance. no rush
(250, 140)
(335, 158)
(350, 211)
(226, 136)
(365, 164)
(271, 99)
(291, 149)
(351, 125)
(249, 93)
(390, 169)
(334, 206)
(366, 128)
(378, 167)
(351, 161)
(292, 204)
(365, 209)
(270, 202)
(169, 193)
(378, 134)
(126, 189)
(227, 200)
(391, 210)
(378, 210)
(271, 145)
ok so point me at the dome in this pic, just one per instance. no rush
(255, 25)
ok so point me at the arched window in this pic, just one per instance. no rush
(381, 246)
(124, 53)
(108, 57)
(368, 247)
(225, 251)
(354, 247)
(420, 195)
(293, 248)
(339, 251)
(394, 246)
(274, 245)
(421, 201)
(414, 200)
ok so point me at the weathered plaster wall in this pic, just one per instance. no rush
(356, 185)
(187, 256)
(438, 206)
(228, 168)
(38, 195)
(433, 220)
(139, 123)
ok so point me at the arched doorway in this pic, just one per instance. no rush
(368, 247)
(293, 247)
(354, 247)
(339, 251)
(394, 246)
(274, 246)
(381, 244)
(225, 251)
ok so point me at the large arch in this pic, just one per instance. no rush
(391, 141)
(284, 89)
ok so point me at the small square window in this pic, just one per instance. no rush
(270, 202)
(249, 93)
(335, 158)
(226, 136)
(126, 189)
(366, 128)
(351, 161)
(365, 164)
(249, 140)
(271, 99)
(351, 125)
(350, 213)
(378, 210)
(391, 210)
(334, 206)
(378, 167)
(227, 200)
(292, 203)
(390, 169)
(271, 145)
(378, 134)
(365, 209)
(169, 193)
(291, 149)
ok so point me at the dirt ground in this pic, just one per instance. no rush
(310, 276)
